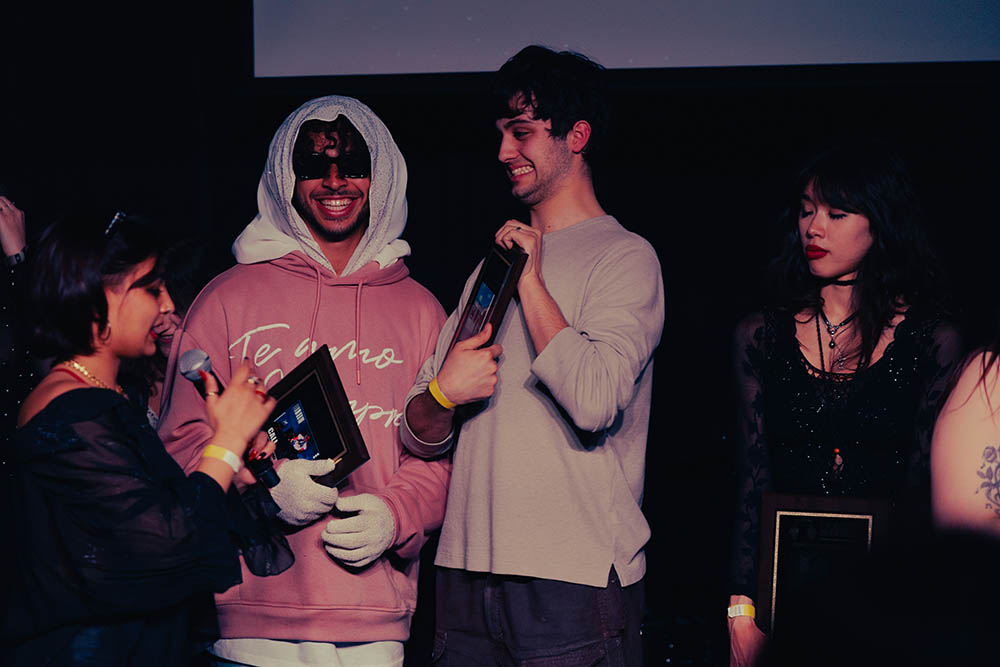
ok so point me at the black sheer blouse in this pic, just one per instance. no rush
(807, 431)
(110, 539)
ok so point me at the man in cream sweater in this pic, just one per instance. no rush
(541, 554)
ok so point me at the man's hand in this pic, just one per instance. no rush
(541, 312)
(360, 539)
(529, 240)
(302, 500)
(469, 374)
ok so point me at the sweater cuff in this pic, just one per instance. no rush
(419, 447)
(561, 353)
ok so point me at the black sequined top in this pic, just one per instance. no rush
(804, 430)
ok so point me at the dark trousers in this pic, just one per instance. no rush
(488, 619)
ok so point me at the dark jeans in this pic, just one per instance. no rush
(489, 619)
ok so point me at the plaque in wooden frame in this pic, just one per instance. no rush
(313, 418)
(805, 539)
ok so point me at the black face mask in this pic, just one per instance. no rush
(308, 165)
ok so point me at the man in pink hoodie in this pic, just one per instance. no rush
(322, 263)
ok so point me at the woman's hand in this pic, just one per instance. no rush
(746, 641)
(12, 235)
(264, 447)
(237, 415)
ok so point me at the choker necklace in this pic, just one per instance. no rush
(837, 281)
(833, 329)
(77, 366)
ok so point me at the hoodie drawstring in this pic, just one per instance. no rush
(315, 313)
(357, 332)
(357, 321)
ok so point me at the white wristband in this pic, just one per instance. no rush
(741, 610)
(223, 454)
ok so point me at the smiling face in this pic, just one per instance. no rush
(834, 240)
(333, 199)
(537, 163)
(138, 307)
(164, 330)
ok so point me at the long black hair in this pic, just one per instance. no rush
(76, 258)
(898, 271)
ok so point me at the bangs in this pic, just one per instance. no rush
(155, 274)
(839, 193)
(512, 103)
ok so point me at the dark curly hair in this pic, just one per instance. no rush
(898, 270)
(76, 258)
(564, 87)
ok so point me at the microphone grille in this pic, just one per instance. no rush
(192, 361)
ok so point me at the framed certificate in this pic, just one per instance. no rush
(808, 541)
(313, 418)
(491, 293)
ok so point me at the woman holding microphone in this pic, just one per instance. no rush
(111, 541)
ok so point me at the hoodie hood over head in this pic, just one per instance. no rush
(278, 229)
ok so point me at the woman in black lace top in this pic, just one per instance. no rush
(840, 383)
(110, 540)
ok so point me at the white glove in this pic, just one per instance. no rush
(360, 539)
(297, 494)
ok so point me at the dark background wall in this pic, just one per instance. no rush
(160, 114)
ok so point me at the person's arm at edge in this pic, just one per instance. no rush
(745, 638)
(965, 433)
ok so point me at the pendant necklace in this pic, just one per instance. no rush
(833, 329)
(836, 472)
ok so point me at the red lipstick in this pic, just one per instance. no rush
(815, 252)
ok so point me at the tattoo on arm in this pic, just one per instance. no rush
(989, 473)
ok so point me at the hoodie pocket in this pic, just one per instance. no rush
(398, 584)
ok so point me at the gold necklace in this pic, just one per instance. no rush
(76, 365)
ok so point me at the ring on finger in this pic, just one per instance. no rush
(211, 393)
(262, 394)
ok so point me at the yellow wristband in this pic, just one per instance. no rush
(742, 610)
(223, 454)
(439, 395)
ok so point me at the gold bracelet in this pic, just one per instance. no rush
(742, 610)
(439, 395)
(222, 454)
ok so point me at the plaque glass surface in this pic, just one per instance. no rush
(807, 542)
(314, 420)
(491, 293)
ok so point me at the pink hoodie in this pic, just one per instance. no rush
(380, 325)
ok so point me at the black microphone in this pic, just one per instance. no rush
(191, 365)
